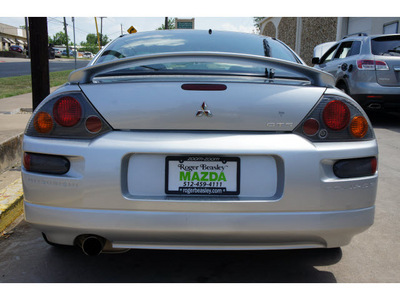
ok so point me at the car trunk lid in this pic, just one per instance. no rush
(168, 105)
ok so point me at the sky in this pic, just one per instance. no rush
(112, 25)
(147, 15)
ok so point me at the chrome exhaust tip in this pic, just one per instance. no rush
(91, 245)
(375, 106)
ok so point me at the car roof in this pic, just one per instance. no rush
(366, 37)
(193, 33)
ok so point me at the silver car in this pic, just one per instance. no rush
(367, 68)
(207, 140)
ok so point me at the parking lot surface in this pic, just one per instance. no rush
(373, 256)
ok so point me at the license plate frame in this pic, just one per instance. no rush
(204, 164)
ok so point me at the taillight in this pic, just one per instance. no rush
(359, 126)
(67, 111)
(311, 127)
(335, 119)
(43, 122)
(368, 64)
(93, 124)
(67, 116)
(336, 115)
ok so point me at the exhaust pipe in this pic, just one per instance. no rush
(91, 245)
(375, 106)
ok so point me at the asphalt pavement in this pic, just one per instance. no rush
(10, 67)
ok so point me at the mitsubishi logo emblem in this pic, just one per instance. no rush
(204, 111)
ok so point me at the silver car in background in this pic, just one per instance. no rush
(206, 140)
(367, 68)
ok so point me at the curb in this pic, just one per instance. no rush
(11, 203)
(10, 152)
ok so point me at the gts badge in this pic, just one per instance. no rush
(279, 125)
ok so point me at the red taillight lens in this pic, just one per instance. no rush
(67, 111)
(310, 127)
(367, 64)
(336, 115)
(27, 161)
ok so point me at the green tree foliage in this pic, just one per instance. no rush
(171, 24)
(91, 43)
(59, 39)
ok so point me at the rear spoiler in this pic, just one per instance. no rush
(316, 77)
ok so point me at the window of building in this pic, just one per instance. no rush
(391, 28)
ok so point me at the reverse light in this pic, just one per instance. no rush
(311, 127)
(336, 115)
(67, 111)
(93, 124)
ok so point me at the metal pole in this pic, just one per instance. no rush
(66, 35)
(76, 51)
(39, 52)
(166, 23)
(27, 36)
(97, 31)
(101, 31)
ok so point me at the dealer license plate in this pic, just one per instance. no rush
(202, 175)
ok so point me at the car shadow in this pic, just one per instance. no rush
(385, 120)
(168, 266)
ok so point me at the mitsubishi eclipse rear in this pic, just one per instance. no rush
(201, 140)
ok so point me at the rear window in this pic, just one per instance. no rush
(165, 43)
(386, 45)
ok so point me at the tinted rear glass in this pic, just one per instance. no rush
(198, 41)
(386, 45)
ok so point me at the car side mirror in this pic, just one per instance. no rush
(315, 61)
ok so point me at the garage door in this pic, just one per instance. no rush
(357, 25)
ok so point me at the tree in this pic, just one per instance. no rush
(92, 44)
(91, 39)
(171, 24)
(59, 39)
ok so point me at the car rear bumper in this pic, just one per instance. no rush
(289, 195)
(203, 230)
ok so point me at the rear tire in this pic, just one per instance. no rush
(343, 87)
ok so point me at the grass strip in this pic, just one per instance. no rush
(13, 86)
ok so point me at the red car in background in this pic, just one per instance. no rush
(17, 48)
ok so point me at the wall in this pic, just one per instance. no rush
(316, 31)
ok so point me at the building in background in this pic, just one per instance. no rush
(10, 35)
(302, 34)
(184, 23)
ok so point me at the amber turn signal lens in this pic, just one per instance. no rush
(43, 122)
(359, 127)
